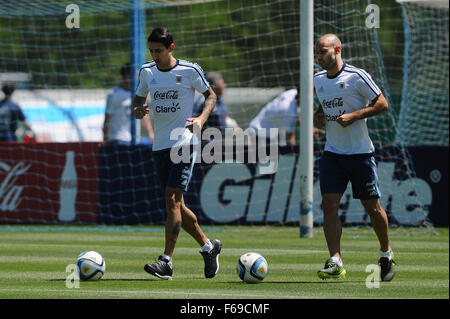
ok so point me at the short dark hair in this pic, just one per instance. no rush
(161, 35)
(125, 70)
(8, 89)
(212, 77)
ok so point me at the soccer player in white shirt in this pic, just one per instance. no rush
(170, 84)
(348, 96)
(117, 124)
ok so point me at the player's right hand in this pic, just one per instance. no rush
(140, 111)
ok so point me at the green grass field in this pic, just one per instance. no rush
(33, 262)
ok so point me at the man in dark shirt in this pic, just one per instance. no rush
(220, 116)
(10, 115)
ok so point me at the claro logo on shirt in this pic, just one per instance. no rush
(168, 95)
(336, 102)
(167, 109)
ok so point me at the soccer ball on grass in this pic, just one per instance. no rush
(90, 265)
(252, 268)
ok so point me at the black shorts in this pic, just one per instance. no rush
(174, 175)
(336, 170)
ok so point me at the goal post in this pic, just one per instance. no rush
(306, 115)
(137, 52)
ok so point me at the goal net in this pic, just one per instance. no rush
(424, 109)
(63, 73)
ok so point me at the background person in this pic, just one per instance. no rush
(220, 116)
(11, 116)
(117, 124)
(282, 113)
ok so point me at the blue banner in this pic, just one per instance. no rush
(243, 193)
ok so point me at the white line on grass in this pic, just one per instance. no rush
(151, 294)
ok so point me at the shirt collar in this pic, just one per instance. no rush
(337, 74)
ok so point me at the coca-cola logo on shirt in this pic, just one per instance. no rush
(168, 95)
(336, 102)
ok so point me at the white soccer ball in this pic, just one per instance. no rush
(252, 268)
(90, 265)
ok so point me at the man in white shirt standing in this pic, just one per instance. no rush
(170, 84)
(348, 96)
(281, 113)
(117, 125)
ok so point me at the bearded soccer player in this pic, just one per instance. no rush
(348, 96)
(171, 84)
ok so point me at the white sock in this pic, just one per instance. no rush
(208, 246)
(338, 261)
(168, 258)
(387, 254)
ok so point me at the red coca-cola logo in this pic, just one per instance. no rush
(32, 185)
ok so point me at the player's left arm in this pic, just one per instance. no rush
(377, 106)
(210, 103)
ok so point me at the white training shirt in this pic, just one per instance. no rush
(280, 113)
(118, 107)
(171, 96)
(349, 90)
